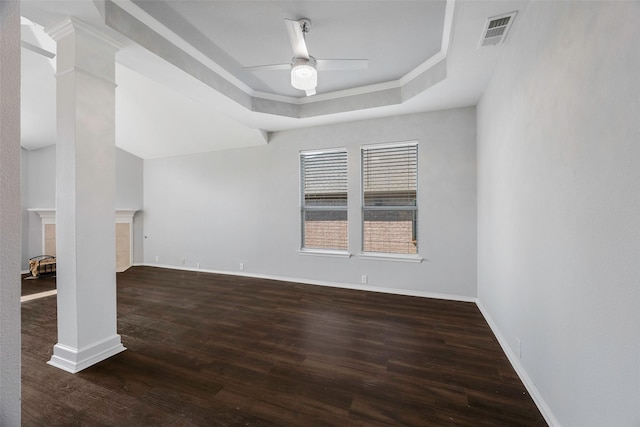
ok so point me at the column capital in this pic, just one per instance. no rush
(74, 25)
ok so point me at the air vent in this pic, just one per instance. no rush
(496, 29)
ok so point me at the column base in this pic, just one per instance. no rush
(75, 360)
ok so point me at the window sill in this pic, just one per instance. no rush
(391, 257)
(324, 252)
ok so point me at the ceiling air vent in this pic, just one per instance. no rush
(496, 28)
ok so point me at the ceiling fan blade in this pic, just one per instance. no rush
(310, 92)
(296, 37)
(274, 67)
(342, 64)
(37, 49)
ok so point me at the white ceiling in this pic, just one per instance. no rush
(422, 56)
(240, 34)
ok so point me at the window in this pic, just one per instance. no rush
(324, 199)
(389, 192)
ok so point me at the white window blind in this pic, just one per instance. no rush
(324, 199)
(389, 198)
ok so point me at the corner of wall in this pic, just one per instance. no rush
(535, 394)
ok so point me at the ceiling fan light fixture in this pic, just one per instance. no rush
(304, 75)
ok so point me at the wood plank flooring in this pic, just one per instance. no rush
(215, 350)
(32, 285)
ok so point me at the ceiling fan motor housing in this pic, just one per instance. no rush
(304, 75)
(305, 25)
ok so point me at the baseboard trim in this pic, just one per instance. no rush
(39, 295)
(394, 291)
(75, 360)
(542, 405)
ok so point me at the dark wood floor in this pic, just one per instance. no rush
(32, 285)
(214, 350)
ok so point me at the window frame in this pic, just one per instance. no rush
(337, 252)
(391, 256)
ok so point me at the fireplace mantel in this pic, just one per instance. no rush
(124, 234)
(47, 214)
(50, 213)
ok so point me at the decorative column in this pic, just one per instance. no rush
(85, 197)
(10, 218)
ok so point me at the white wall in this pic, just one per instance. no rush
(24, 185)
(129, 195)
(40, 192)
(559, 207)
(220, 209)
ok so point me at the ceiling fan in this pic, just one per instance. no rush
(304, 67)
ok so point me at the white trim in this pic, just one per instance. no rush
(123, 216)
(338, 94)
(47, 216)
(324, 252)
(45, 213)
(391, 84)
(39, 295)
(380, 255)
(278, 98)
(448, 27)
(345, 93)
(74, 360)
(390, 257)
(444, 48)
(78, 69)
(393, 144)
(394, 291)
(303, 209)
(422, 68)
(72, 24)
(151, 22)
(542, 405)
(325, 150)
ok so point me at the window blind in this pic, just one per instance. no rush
(324, 178)
(390, 175)
(324, 200)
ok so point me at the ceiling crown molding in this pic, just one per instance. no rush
(145, 18)
(71, 25)
(136, 24)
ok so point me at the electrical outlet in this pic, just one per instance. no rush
(157, 258)
(518, 348)
(184, 261)
(364, 279)
(242, 266)
(198, 265)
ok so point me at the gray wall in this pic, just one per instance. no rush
(129, 195)
(24, 185)
(559, 207)
(40, 192)
(224, 208)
